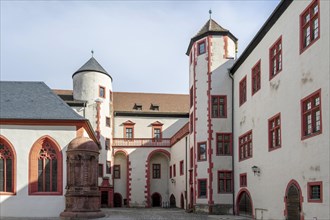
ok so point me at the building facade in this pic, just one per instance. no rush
(251, 138)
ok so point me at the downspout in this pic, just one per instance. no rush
(186, 192)
(232, 135)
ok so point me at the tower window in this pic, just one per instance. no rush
(219, 108)
(201, 47)
(101, 91)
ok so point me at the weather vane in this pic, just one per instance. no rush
(210, 12)
(92, 51)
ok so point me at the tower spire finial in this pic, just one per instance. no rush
(92, 51)
(210, 12)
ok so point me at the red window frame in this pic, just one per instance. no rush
(199, 181)
(116, 171)
(200, 154)
(108, 167)
(7, 153)
(311, 115)
(156, 171)
(310, 192)
(102, 91)
(107, 143)
(242, 91)
(190, 176)
(100, 170)
(157, 133)
(107, 121)
(171, 171)
(199, 44)
(245, 146)
(256, 77)
(174, 170)
(181, 168)
(223, 141)
(274, 132)
(219, 106)
(275, 58)
(243, 180)
(226, 177)
(309, 25)
(191, 119)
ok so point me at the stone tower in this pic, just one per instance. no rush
(93, 84)
(211, 52)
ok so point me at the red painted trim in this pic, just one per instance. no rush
(199, 188)
(8, 144)
(239, 143)
(239, 194)
(243, 180)
(242, 91)
(302, 15)
(270, 129)
(256, 76)
(128, 175)
(271, 57)
(301, 198)
(100, 88)
(209, 124)
(33, 167)
(155, 127)
(98, 120)
(309, 192)
(225, 47)
(303, 125)
(147, 173)
(225, 181)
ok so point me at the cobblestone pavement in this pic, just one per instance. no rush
(149, 214)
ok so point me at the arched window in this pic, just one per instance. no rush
(45, 168)
(7, 167)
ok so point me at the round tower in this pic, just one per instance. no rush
(93, 84)
(211, 52)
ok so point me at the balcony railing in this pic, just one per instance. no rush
(141, 142)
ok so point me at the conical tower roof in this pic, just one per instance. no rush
(210, 28)
(92, 66)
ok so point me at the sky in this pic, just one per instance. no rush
(141, 44)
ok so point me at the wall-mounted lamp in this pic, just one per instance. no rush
(173, 180)
(256, 170)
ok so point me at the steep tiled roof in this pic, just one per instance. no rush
(168, 103)
(32, 100)
(210, 28)
(92, 65)
(211, 25)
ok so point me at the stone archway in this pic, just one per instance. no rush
(293, 201)
(244, 203)
(156, 200)
(117, 200)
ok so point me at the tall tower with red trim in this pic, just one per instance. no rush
(212, 51)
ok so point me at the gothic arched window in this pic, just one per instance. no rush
(45, 168)
(7, 167)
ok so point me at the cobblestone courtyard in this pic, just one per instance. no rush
(149, 214)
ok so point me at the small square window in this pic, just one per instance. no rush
(315, 192)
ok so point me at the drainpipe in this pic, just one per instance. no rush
(232, 135)
(186, 192)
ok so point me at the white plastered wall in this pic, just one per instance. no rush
(22, 138)
(302, 160)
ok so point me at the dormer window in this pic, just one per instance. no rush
(154, 107)
(137, 107)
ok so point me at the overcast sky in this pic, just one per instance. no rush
(141, 44)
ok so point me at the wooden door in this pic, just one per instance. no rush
(293, 203)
